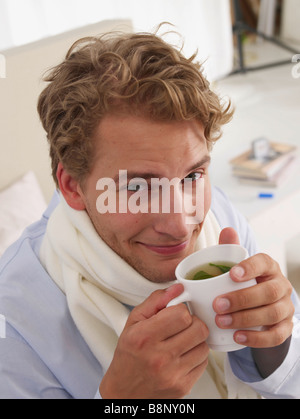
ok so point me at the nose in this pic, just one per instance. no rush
(171, 219)
(173, 225)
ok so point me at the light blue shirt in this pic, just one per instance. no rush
(43, 354)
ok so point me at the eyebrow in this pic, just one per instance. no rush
(150, 175)
(205, 160)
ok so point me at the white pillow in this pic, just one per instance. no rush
(21, 204)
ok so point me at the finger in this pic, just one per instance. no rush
(194, 375)
(189, 338)
(268, 338)
(194, 358)
(260, 266)
(157, 301)
(169, 322)
(229, 236)
(258, 295)
(187, 373)
(262, 316)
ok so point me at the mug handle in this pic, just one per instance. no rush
(182, 298)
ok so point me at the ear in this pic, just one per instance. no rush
(70, 189)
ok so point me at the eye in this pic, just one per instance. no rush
(134, 188)
(194, 176)
(137, 185)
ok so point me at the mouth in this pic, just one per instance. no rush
(166, 250)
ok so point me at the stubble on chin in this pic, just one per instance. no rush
(157, 272)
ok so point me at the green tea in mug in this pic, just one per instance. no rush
(209, 270)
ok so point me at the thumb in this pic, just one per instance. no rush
(156, 302)
(229, 236)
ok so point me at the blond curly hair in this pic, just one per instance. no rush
(137, 73)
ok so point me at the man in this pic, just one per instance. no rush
(85, 290)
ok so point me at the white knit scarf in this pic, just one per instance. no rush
(97, 283)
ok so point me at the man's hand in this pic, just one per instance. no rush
(266, 304)
(161, 352)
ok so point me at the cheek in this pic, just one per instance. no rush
(117, 228)
(112, 226)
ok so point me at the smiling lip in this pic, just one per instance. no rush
(167, 250)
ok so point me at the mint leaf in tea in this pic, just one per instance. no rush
(209, 270)
(201, 275)
(223, 268)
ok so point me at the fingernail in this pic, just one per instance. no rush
(238, 272)
(222, 304)
(240, 338)
(225, 320)
(171, 287)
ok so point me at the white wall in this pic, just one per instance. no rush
(291, 20)
(204, 24)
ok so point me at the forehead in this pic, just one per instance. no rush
(124, 137)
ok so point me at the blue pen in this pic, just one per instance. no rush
(265, 195)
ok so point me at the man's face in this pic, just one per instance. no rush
(152, 243)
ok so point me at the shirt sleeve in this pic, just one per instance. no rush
(42, 353)
(285, 381)
(23, 374)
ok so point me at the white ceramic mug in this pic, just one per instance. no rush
(200, 294)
